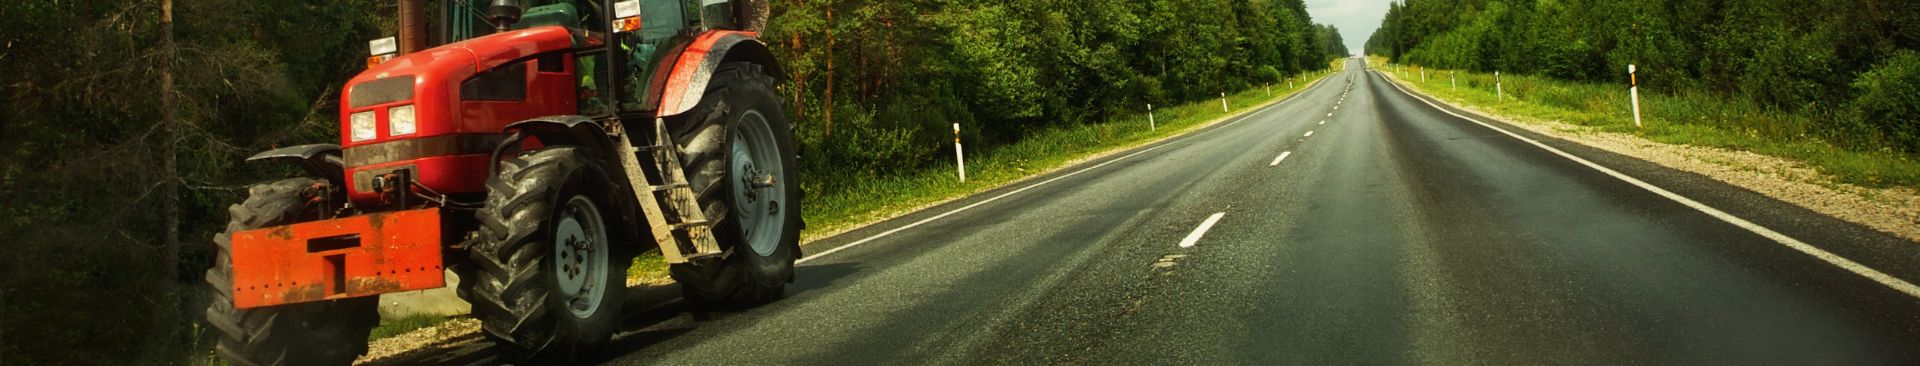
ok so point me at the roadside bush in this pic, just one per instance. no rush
(1270, 74)
(864, 147)
(1889, 99)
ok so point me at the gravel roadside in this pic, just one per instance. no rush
(1894, 210)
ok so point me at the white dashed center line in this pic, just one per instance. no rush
(1166, 143)
(1309, 134)
(1283, 157)
(1194, 238)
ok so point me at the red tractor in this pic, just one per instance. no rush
(533, 152)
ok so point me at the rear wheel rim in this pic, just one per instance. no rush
(580, 256)
(759, 203)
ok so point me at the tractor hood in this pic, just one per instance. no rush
(430, 80)
(438, 113)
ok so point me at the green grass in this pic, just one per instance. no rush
(648, 267)
(837, 203)
(393, 327)
(1698, 119)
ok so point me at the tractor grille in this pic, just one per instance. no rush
(381, 91)
(409, 149)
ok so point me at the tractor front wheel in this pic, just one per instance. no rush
(548, 275)
(316, 333)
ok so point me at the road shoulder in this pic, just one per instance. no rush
(462, 332)
(1895, 211)
(1857, 223)
(817, 242)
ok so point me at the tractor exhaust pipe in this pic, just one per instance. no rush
(413, 26)
(753, 14)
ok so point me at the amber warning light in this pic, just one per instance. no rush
(627, 14)
(382, 50)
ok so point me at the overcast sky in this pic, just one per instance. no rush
(1356, 18)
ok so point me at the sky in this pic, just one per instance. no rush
(1357, 19)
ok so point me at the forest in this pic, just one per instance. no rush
(125, 121)
(1851, 66)
(880, 81)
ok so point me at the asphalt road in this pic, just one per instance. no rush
(1392, 232)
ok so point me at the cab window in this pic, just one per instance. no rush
(661, 21)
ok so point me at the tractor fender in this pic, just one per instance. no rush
(317, 160)
(564, 130)
(687, 81)
(570, 130)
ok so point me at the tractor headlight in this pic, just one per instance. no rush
(400, 121)
(361, 125)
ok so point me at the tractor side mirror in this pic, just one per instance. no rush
(504, 13)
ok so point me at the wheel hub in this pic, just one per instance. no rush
(755, 180)
(580, 256)
(755, 165)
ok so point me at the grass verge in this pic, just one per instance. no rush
(836, 204)
(647, 268)
(394, 327)
(1697, 119)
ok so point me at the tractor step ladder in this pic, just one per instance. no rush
(666, 187)
(670, 193)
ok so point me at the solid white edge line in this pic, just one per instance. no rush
(1024, 189)
(1834, 259)
(971, 206)
(1283, 156)
(1194, 237)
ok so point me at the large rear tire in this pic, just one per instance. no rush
(548, 275)
(741, 163)
(317, 333)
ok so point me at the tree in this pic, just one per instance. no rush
(1823, 58)
(126, 120)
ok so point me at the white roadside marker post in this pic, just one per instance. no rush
(1150, 125)
(959, 155)
(1633, 80)
(1269, 89)
(1500, 95)
(1423, 75)
(1223, 102)
(1451, 83)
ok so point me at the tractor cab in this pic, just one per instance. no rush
(432, 115)
(619, 45)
